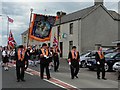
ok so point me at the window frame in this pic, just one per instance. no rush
(71, 28)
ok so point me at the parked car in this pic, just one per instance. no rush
(84, 57)
(116, 66)
(111, 59)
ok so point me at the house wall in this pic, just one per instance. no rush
(118, 30)
(98, 28)
(64, 28)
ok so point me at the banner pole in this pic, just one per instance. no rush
(31, 10)
(7, 29)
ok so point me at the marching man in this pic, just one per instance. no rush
(44, 61)
(56, 52)
(74, 62)
(100, 59)
(20, 63)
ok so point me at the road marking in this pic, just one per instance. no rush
(65, 83)
(28, 73)
(54, 81)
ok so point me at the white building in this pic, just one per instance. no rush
(86, 28)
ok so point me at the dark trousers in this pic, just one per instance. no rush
(20, 72)
(99, 69)
(74, 70)
(42, 67)
(56, 63)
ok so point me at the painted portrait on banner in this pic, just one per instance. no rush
(41, 27)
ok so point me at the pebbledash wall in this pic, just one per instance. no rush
(97, 27)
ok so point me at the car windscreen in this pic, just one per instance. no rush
(82, 54)
(110, 55)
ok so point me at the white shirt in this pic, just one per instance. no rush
(4, 53)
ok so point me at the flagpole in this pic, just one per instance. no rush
(31, 10)
(7, 28)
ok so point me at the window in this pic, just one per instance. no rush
(71, 28)
(24, 39)
(118, 56)
(70, 45)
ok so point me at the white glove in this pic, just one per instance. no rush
(45, 56)
(105, 64)
(98, 63)
(79, 63)
(30, 51)
(69, 63)
(25, 66)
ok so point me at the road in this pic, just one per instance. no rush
(60, 80)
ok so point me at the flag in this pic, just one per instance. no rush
(11, 41)
(41, 27)
(55, 41)
(10, 20)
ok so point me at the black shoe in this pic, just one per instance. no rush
(56, 70)
(72, 78)
(118, 79)
(104, 78)
(22, 80)
(18, 81)
(76, 76)
(48, 78)
(98, 78)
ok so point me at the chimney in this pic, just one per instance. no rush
(60, 13)
(98, 2)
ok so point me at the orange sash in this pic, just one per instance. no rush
(101, 55)
(55, 50)
(43, 52)
(73, 56)
(19, 54)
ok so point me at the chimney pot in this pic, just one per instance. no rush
(98, 2)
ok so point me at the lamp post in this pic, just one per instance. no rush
(31, 10)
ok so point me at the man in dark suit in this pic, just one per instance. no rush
(74, 61)
(20, 63)
(44, 61)
(100, 61)
(56, 58)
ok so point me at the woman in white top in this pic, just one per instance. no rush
(5, 58)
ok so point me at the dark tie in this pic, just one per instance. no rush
(75, 54)
(45, 51)
(21, 53)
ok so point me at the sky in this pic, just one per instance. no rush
(19, 11)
